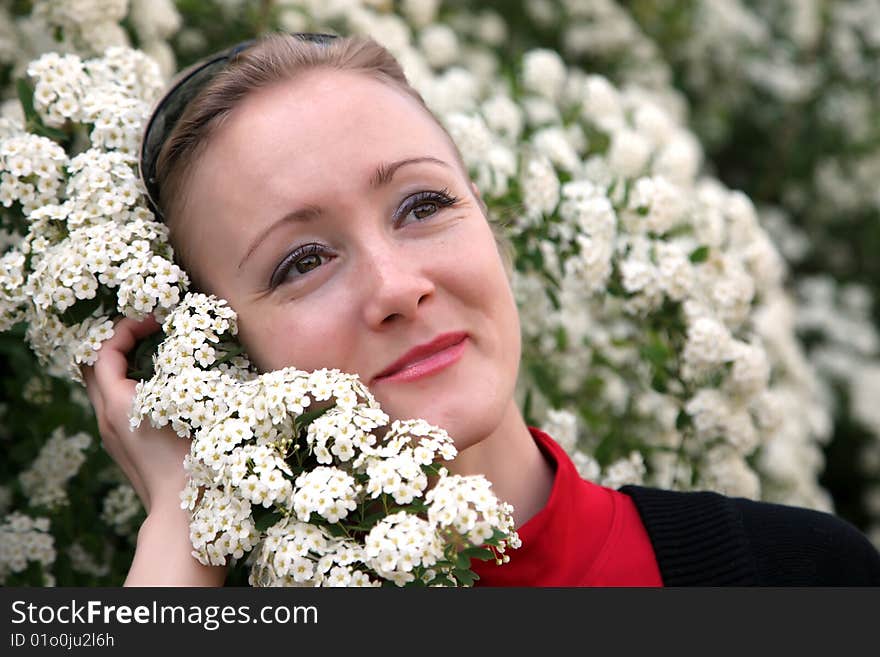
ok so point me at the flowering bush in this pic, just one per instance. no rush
(661, 344)
(90, 250)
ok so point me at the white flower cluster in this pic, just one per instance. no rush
(120, 506)
(32, 171)
(605, 31)
(190, 388)
(92, 249)
(24, 539)
(402, 542)
(88, 28)
(37, 390)
(112, 93)
(845, 348)
(82, 561)
(794, 415)
(629, 470)
(45, 481)
(90, 25)
(155, 22)
(465, 508)
(303, 470)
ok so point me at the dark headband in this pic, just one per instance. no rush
(170, 108)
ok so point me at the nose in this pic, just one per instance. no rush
(395, 283)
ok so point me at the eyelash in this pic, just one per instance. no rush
(442, 199)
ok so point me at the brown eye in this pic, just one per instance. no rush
(424, 205)
(424, 210)
(308, 263)
(300, 262)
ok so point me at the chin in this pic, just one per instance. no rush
(466, 422)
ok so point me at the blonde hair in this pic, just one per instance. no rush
(275, 58)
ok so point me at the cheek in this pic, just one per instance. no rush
(476, 277)
(285, 336)
(483, 279)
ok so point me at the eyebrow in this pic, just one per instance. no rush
(382, 176)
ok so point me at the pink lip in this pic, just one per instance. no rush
(426, 359)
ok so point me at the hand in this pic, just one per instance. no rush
(151, 458)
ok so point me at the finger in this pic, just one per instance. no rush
(112, 363)
(111, 367)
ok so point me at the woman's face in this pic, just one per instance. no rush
(331, 212)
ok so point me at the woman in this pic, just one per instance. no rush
(305, 182)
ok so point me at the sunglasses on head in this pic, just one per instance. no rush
(170, 108)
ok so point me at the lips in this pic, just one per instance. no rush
(428, 357)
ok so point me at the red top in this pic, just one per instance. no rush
(586, 535)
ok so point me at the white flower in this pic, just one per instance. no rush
(503, 116)
(326, 491)
(628, 154)
(555, 144)
(543, 72)
(439, 44)
(467, 506)
(399, 543)
(471, 135)
(727, 472)
(24, 539)
(420, 12)
(601, 103)
(709, 345)
(44, 482)
(630, 470)
(562, 426)
(540, 187)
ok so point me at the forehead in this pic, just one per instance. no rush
(342, 120)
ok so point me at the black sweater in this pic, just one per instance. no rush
(706, 539)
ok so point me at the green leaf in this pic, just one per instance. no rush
(656, 353)
(265, 518)
(336, 530)
(230, 352)
(484, 554)
(80, 310)
(32, 120)
(682, 420)
(371, 519)
(554, 300)
(597, 140)
(466, 577)
(700, 254)
(140, 361)
(659, 382)
(52, 133)
(308, 417)
(415, 507)
(26, 95)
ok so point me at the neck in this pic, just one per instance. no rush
(510, 458)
